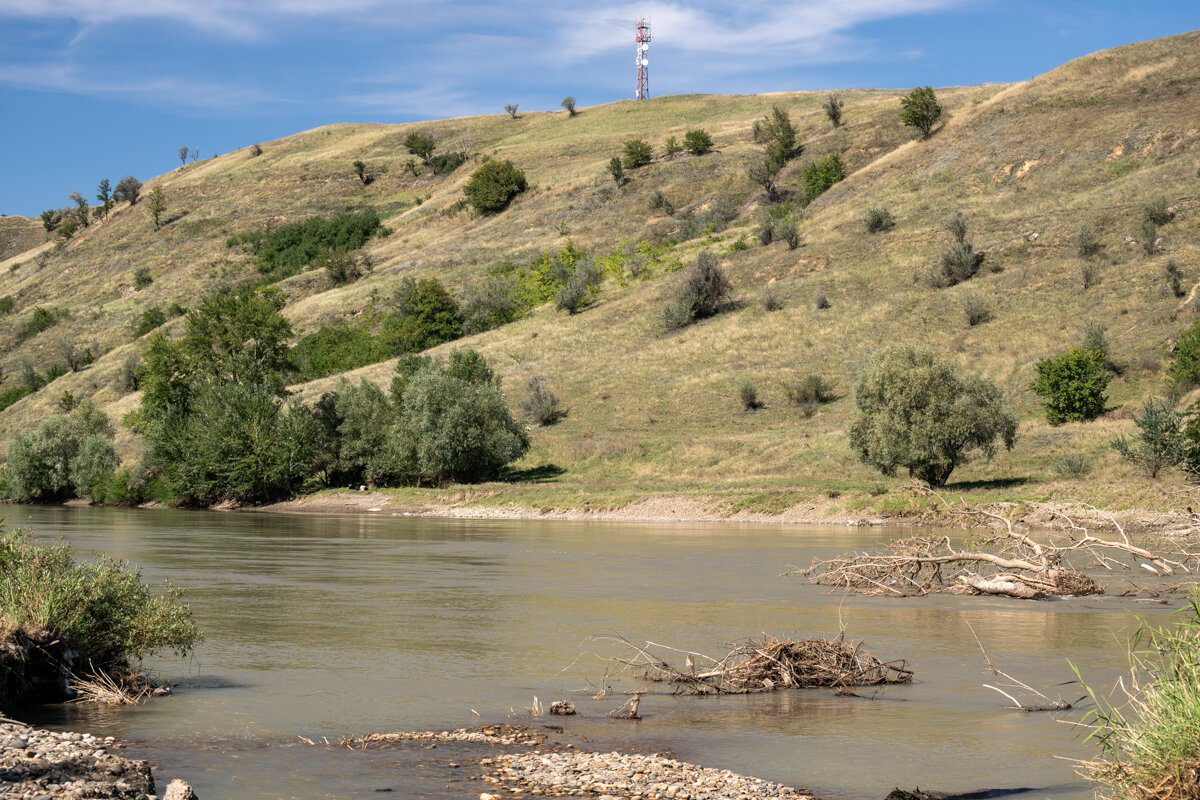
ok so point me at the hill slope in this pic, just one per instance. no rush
(1090, 142)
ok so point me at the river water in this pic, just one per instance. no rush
(330, 626)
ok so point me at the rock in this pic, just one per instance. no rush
(563, 708)
(179, 790)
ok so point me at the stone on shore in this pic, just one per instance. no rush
(65, 766)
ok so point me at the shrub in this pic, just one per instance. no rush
(490, 303)
(1089, 275)
(287, 250)
(765, 172)
(127, 378)
(540, 405)
(779, 135)
(771, 301)
(255, 150)
(1073, 465)
(7, 304)
(445, 163)
(1186, 367)
(920, 109)
(454, 422)
(788, 231)
(819, 175)
(878, 220)
(142, 278)
(697, 141)
(511, 109)
(976, 310)
(1072, 385)
(1160, 441)
(336, 348)
(1171, 274)
(916, 411)
(493, 185)
(42, 319)
(426, 315)
(1086, 243)
(720, 211)
(833, 109)
(704, 291)
(360, 170)
(957, 263)
(659, 202)
(157, 202)
(808, 391)
(420, 145)
(1158, 212)
(344, 267)
(151, 318)
(821, 301)
(672, 146)
(128, 189)
(97, 607)
(63, 457)
(569, 104)
(1095, 338)
(748, 396)
(1147, 237)
(637, 153)
(616, 170)
(354, 421)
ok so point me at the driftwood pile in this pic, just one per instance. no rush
(1008, 563)
(764, 665)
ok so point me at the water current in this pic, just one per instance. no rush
(331, 626)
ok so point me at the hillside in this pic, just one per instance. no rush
(1090, 142)
(19, 235)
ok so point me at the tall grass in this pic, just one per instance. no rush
(1150, 740)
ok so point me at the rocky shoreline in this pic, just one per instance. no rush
(45, 765)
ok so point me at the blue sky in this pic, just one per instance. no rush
(90, 90)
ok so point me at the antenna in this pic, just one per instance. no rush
(643, 63)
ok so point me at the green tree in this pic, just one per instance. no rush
(1072, 385)
(511, 109)
(637, 153)
(778, 133)
(616, 170)
(765, 172)
(819, 175)
(697, 141)
(493, 185)
(920, 109)
(420, 145)
(916, 411)
(1160, 441)
(128, 189)
(183, 154)
(833, 109)
(704, 291)
(158, 205)
(569, 104)
(239, 336)
(426, 315)
(354, 419)
(104, 195)
(81, 208)
(1185, 368)
(360, 169)
(63, 457)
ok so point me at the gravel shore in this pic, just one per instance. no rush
(623, 776)
(45, 765)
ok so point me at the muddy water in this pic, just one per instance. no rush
(331, 626)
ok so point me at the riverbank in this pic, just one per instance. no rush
(45, 765)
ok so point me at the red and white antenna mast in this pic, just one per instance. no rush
(643, 63)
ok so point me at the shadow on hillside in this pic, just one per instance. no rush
(544, 473)
(996, 483)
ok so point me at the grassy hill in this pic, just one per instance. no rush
(653, 414)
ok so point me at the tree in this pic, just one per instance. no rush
(158, 205)
(104, 195)
(360, 169)
(819, 175)
(426, 315)
(638, 153)
(354, 420)
(128, 189)
(511, 108)
(493, 185)
(765, 172)
(916, 411)
(420, 145)
(777, 132)
(616, 170)
(1160, 441)
(704, 291)
(63, 457)
(239, 336)
(81, 208)
(1072, 385)
(195, 154)
(697, 141)
(1186, 367)
(833, 109)
(183, 154)
(920, 109)
(569, 104)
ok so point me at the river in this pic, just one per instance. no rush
(329, 626)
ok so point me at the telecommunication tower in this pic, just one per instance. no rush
(643, 63)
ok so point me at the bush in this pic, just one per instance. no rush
(1072, 385)
(788, 231)
(1147, 237)
(493, 185)
(1073, 465)
(490, 303)
(1186, 367)
(1089, 275)
(344, 267)
(426, 315)
(748, 396)
(833, 109)
(697, 141)
(540, 405)
(128, 189)
(511, 109)
(445, 163)
(151, 318)
(127, 378)
(659, 202)
(360, 170)
(720, 211)
(420, 145)
(957, 263)
(454, 422)
(916, 411)
(1158, 212)
(821, 301)
(920, 109)
(1095, 338)
(255, 150)
(141, 278)
(765, 172)
(332, 349)
(672, 146)
(616, 170)
(42, 319)
(7, 304)
(819, 175)
(878, 220)
(1086, 243)
(704, 291)
(779, 135)
(289, 249)
(808, 391)
(771, 301)
(63, 457)
(637, 153)
(1160, 441)
(1171, 274)
(976, 310)
(354, 421)
(100, 608)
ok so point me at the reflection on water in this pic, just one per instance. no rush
(332, 626)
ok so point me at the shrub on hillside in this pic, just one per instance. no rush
(151, 318)
(833, 109)
(748, 396)
(1158, 211)
(569, 104)
(142, 278)
(41, 319)
(286, 250)
(771, 299)
(822, 173)
(1160, 441)
(659, 202)
(7, 304)
(578, 290)
(1186, 367)
(958, 262)
(1086, 243)
(540, 405)
(1072, 385)
(128, 189)
(878, 220)
(976, 309)
(493, 185)
(920, 109)
(420, 145)
(779, 135)
(490, 303)
(445, 163)
(63, 457)
(808, 391)
(344, 267)
(426, 315)
(1171, 274)
(704, 291)
(636, 153)
(671, 146)
(916, 411)
(1147, 236)
(617, 171)
(697, 141)
(714, 217)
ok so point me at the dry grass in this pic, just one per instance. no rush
(1026, 163)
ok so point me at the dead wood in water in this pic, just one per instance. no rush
(764, 665)
(1009, 563)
